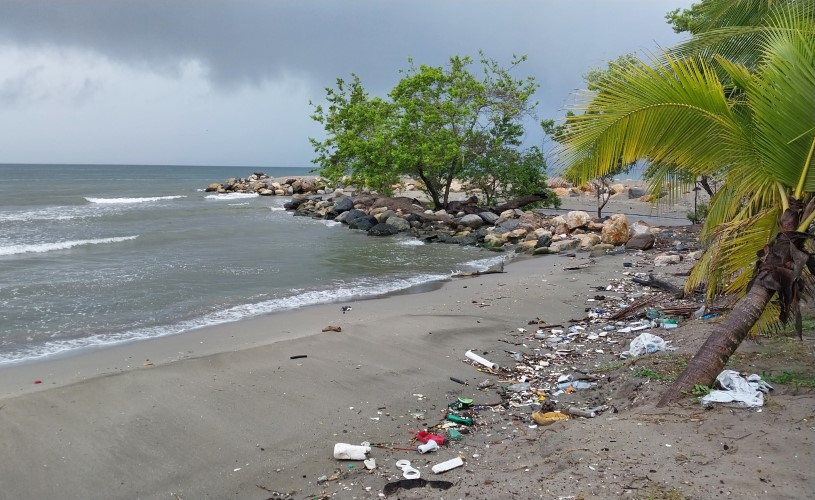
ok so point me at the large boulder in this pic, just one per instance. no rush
(343, 204)
(641, 241)
(525, 246)
(472, 221)
(493, 241)
(577, 218)
(354, 214)
(399, 223)
(615, 230)
(641, 227)
(363, 223)
(559, 225)
(507, 225)
(635, 192)
(383, 229)
(533, 220)
(544, 241)
(617, 188)
(588, 241)
(488, 217)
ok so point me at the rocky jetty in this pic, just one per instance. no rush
(264, 185)
(464, 223)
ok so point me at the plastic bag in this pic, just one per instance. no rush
(738, 391)
(646, 343)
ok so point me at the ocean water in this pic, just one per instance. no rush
(95, 254)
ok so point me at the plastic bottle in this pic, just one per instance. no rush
(345, 451)
(478, 359)
(445, 466)
(460, 420)
(523, 386)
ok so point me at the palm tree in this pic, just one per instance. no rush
(751, 120)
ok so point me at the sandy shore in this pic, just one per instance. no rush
(228, 412)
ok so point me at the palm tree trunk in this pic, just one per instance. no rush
(708, 362)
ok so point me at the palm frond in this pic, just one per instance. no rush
(676, 114)
(737, 30)
(782, 96)
(726, 265)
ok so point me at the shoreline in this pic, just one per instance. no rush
(78, 365)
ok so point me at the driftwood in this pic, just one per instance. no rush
(470, 274)
(634, 307)
(661, 285)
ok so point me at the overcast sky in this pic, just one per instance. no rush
(228, 82)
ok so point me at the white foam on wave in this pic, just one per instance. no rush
(230, 196)
(60, 245)
(121, 201)
(277, 209)
(410, 242)
(484, 264)
(49, 214)
(361, 289)
(330, 223)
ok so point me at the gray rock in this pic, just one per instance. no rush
(354, 214)
(641, 241)
(383, 229)
(364, 223)
(564, 245)
(601, 249)
(488, 217)
(472, 221)
(635, 192)
(399, 223)
(544, 241)
(543, 251)
(667, 259)
(344, 204)
(507, 225)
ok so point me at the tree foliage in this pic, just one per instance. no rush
(437, 125)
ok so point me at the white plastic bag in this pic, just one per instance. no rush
(738, 391)
(646, 343)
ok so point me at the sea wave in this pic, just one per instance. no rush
(48, 214)
(230, 196)
(485, 264)
(119, 201)
(410, 242)
(60, 245)
(360, 289)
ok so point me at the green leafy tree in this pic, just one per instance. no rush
(437, 125)
(755, 128)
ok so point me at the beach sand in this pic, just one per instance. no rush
(229, 412)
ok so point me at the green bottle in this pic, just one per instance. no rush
(460, 420)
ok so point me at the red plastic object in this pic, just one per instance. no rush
(38, 381)
(425, 436)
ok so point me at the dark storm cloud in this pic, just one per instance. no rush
(242, 42)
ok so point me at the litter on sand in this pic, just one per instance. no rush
(738, 391)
